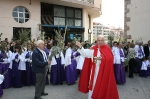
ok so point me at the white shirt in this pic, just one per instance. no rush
(44, 55)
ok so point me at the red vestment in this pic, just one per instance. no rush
(105, 86)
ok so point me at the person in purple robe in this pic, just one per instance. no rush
(57, 75)
(139, 55)
(119, 69)
(28, 59)
(71, 64)
(5, 57)
(17, 67)
(143, 71)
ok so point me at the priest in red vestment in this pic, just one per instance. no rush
(97, 76)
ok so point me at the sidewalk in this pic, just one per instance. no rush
(137, 88)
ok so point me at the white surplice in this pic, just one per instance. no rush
(22, 65)
(54, 62)
(8, 59)
(113, 49)
(144, 65)
(80, 62)
(136, 48)
(68, 56)
(117, 58)
(88, 53)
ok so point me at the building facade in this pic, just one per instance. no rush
(46, 15)
(137, 20)
(100, 29)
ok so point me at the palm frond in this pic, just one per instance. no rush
(22, 36)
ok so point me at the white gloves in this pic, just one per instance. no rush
(122, 59)
(5, 60)
(17, 60)
(28, 60)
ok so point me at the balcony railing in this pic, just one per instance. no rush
(87, 1)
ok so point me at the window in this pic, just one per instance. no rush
(20, 14)
(78, 13)
(16, 31)
(59, 11)
(70, 12)
(60, 15)
(59, 21)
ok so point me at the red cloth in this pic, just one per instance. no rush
(105, 87)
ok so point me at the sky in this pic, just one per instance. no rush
(112, 13)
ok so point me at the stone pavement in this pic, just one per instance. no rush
(137, 88)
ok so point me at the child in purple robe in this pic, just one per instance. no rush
(143, 71)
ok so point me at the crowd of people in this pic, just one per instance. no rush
(131, 57)
(16, 62)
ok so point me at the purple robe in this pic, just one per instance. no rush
(143, 73)
(148, 70)
(138, 61)
(28, 71)
(71, 71)
(47, 54)
(57, 72)
(119, 70)
(138, 65)
(16, 74)
(7, 83)
(1, 91)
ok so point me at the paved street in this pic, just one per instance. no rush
(137, 88)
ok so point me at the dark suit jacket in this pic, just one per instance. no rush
(38, 64)
(146, 51)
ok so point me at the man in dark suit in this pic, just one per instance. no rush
(39, 66)
(147, 49)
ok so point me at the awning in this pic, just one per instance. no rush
(48, 27)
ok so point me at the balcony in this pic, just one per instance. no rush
(127, 19)
(93, 7)
(127, 2)
(127, 10)
(87, 1)
(126, 28)
(76, 3)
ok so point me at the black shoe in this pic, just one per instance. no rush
(131, 76)
(37, 98)
(68, 84)
(44, 94)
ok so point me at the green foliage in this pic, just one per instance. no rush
(22, 36)
(1, 36)
(60, 44)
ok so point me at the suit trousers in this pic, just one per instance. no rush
(40, 83)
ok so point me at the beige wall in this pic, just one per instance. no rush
(139, 25)
(7, 22)
(97, 3)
